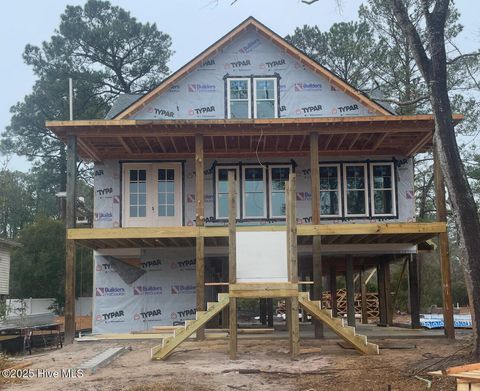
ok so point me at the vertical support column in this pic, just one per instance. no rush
(199, 222)
(232, 262)
(388, 297)
(316, 240)
(263, 311)
(382, 296)
(292, 308)
(270, 313)
(333, 289)
(350, 291)
(363, 291)
(70, 244)
(414, 292)
(443, 252)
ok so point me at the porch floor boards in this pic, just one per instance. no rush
(364, 233)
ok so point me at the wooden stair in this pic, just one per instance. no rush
(180, 334)
(337, 325)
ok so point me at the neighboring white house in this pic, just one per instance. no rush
(6, 247)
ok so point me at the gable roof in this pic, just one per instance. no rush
(273, 37)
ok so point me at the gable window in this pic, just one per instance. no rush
(382, 188)
(265, 92)
(278, 176)
(239, 98)
(221, 191)
(254, 97)
(330, 190)
(355, 194)
(254, 192)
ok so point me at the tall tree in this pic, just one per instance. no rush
(349, 49)
(107, 52)
(431, 59)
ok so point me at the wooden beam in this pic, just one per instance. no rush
(292, 229)
(125, 145)
(333, 289)
(363, 292)
(350, 291)
(354, 140)
(443, 251)
(418, 146)
(70, 244)
(379, 141)
(200, 281)
(316, 240)
(199, 181)
(414, 291)
(382, 294)
(232, 261)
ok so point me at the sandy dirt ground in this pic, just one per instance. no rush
(201, 366)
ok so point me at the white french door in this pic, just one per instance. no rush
(152, 194)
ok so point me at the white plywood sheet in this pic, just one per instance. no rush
(262, 257)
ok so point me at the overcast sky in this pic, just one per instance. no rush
(192, 24)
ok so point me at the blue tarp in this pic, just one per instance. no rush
(435, 321)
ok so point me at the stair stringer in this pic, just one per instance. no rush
(162, 351)
(337, 325)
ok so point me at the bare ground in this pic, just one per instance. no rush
(206, 366)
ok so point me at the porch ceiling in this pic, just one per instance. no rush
(367, 233)
(163, 139)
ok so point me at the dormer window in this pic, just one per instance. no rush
(252, 97)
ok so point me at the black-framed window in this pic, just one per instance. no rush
(355, 192)
(330, 190)
(382, 189)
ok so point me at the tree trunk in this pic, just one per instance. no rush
(434, 71)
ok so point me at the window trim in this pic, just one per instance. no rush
(275, 94)
(265, 196)
(270, 183)
(249, 99)
(345, 189)
(339, 189)
(235, 168)
(393, 190)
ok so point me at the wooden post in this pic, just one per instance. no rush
(316, 240)
(232, 261)
(270, 313)
(414, 292)
(199, 222)
(388, 297)
(382, 298)
(333, 289)
(350, 291)
(69, 311)
(263, 311)
(292, 307)
(363, 291)
(443, 252)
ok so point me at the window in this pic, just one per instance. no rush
(221, 191)
(257, 92)
(166, 192)
(138, 193)
(382, 188)
(254, 192)
(330, 190)
(265, 92)
(278, 176)
(238, 93)
(355, 192)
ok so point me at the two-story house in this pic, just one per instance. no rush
(253, 104)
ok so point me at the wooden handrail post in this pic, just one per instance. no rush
(232, 261)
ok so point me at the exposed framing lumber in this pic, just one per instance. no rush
(70, 244)
(232, 262)
(125, 145)
(363, 293)
(414, 291)
(350, 291)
